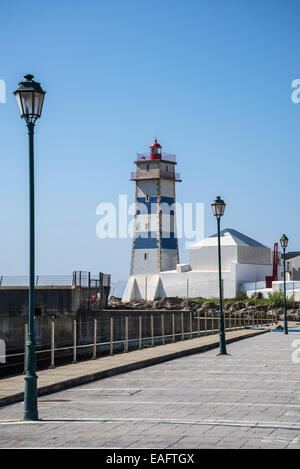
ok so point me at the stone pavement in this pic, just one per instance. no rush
(63, 377)
(249, 399)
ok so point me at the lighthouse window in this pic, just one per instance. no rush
(145, 256)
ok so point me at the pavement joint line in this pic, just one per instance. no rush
(209, 403)
(206, 379)
(211, 422)
(215, 372)
(58, 379)
(176, 389)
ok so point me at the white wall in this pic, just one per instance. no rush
(205, 259)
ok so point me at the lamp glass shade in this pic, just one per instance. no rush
(218, 207)
(30, 98)
(284, 241)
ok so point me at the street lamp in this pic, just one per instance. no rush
(30, 98)
(218, 207)
(284, 242)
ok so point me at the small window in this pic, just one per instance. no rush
(147, 226)
(38, 310)
(145, 256)
(147, 198)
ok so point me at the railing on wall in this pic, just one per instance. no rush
(164, 156)
(94, 338)
(78, 278)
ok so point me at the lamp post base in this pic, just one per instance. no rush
(30, 397)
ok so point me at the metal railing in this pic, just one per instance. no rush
(136, 332)
(78, 278)
(164, 156)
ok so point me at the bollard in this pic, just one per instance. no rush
(140, 332)
(74, 341)
(52, 365)
(111, 336)
(173, 327)
(25, 345)
(95, 340)
(126, 334)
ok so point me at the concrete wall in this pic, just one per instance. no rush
(205, 259)
(294, 267)
(49, 300)
(254, 255)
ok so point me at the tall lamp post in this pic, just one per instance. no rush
(218, 207)
(284, 242)
(30, 98)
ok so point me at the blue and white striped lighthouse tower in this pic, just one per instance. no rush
(154, 246)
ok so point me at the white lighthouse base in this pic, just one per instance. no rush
(142, 287)
(193, 283)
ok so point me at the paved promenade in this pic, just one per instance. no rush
(249, 399)
(12, 389)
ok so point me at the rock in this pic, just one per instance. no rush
(209, 305)
(239, 305)
(172, 300)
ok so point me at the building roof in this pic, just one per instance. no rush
(292, 254)
(229, 237)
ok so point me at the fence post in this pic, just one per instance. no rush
(163, 328)
(95, 340)
(74, 341)
(111, 336)
(182, 327)
(140, 332)
(198, 324)
(52, 344)
(173, 327)
(126, 334)
(191, 325)
(152, 331)
(205, 322)
(25, 345)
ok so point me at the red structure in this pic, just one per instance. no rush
(274, 277)
(155, 151)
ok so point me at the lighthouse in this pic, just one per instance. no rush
(154, 245)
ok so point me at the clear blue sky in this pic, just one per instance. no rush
(213, 77)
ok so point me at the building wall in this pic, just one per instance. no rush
(205, 259)
(294, 267)
(254, 255)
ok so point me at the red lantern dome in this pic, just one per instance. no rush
(155, 151)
